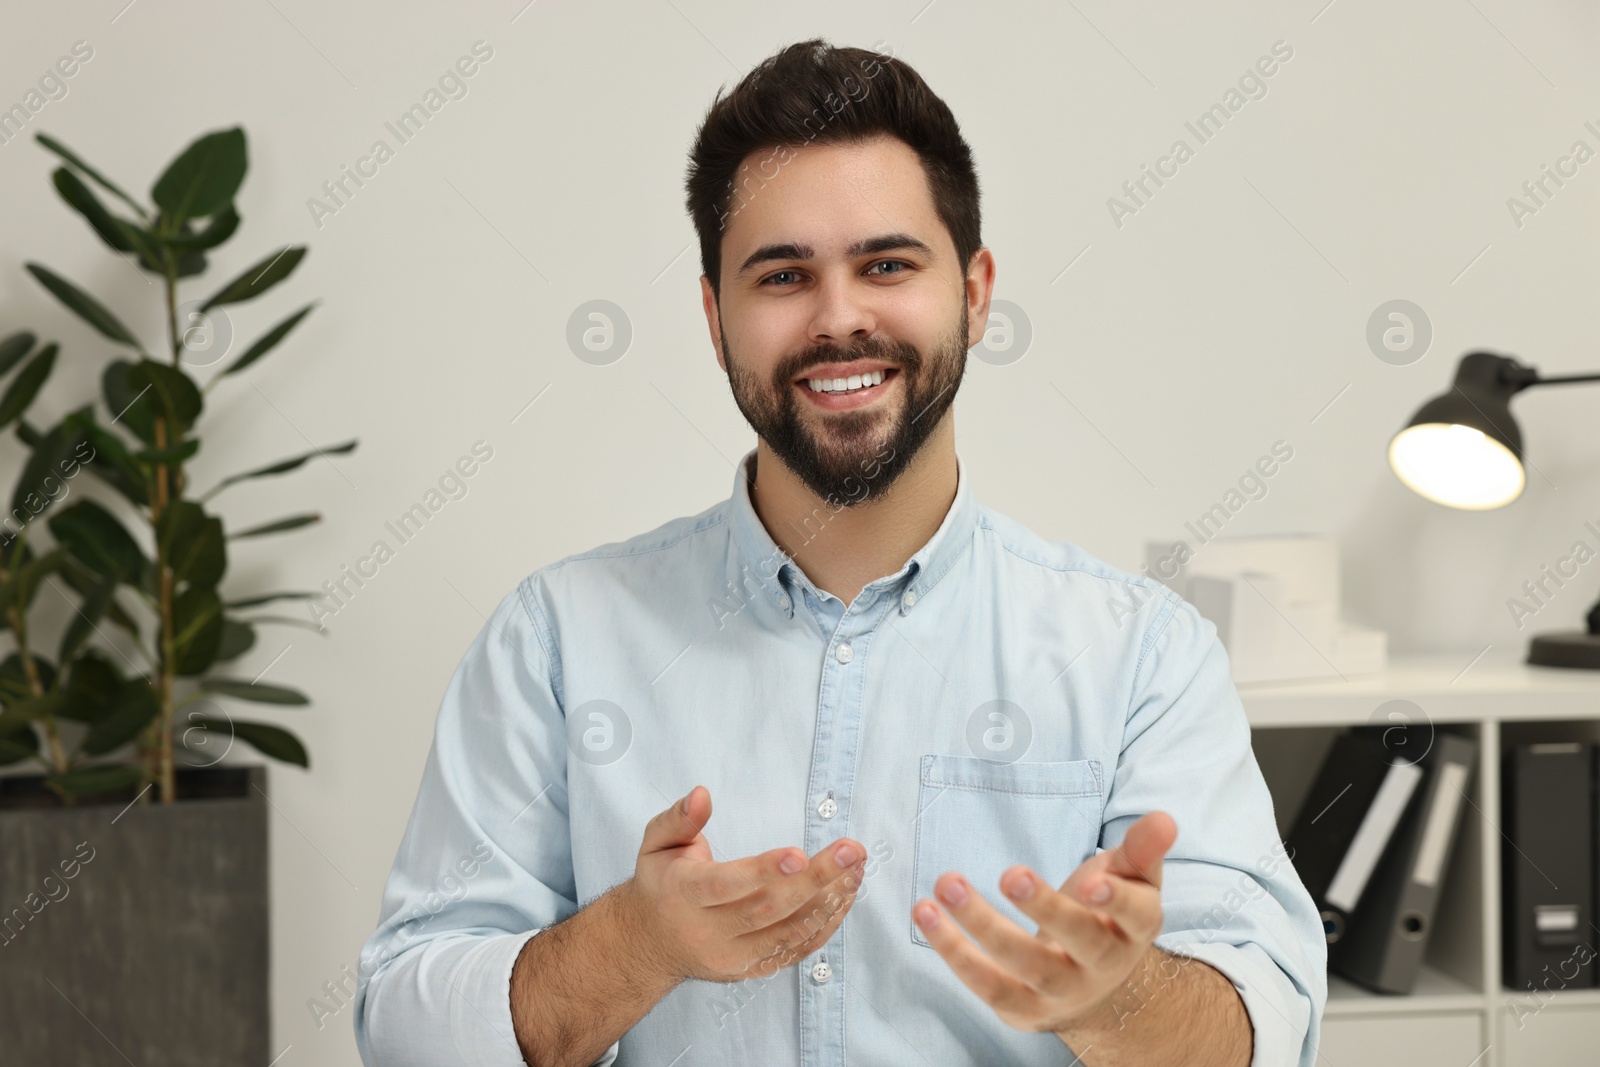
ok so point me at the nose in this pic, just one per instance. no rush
(841, 316)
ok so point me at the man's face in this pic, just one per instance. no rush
(835, 264)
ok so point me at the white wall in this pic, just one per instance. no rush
(1222, 317)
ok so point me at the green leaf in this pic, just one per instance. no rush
(82, 199)
(24, 584)
(293, 522)
(268, 598)
(191, 262)
(132, 710)
(129, 404)
(26, 385)
(92, 688)
(192, 543)
(281, 467)
(18, 746)
(173, 393)
(152, 256)
(218, 230)
(256, 691)
(267, 342)
(29, 709)
(285, 620)
(203, 179)
(96, 538)
(237, 639)
(106, 778)
(273, 741)
(56, 452)
(13, 348)
(14, 680)
(85, 619)
(17, 554)
(170, 456)
(259, 278)
(110, 460)
(83, 305)
(84, 582)
(105, 183)
(197, 629)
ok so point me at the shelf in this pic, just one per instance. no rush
(1449, 687)
(1434, 991)
(1555, 998)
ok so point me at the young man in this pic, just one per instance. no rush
(979, 797)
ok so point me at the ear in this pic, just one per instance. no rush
(979, 289)
(708, 300)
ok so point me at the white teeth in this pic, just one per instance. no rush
(844, 385)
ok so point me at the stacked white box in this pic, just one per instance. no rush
(1275, 603)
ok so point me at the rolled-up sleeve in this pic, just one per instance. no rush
(1230, 896)
(484, 864)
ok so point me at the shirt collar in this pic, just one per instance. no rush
(777, 571)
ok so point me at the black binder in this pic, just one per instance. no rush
(1547, 872)
(1360, 793)
(1389, 931)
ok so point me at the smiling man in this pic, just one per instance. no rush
(979, 797)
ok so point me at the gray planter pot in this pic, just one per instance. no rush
(135, 934)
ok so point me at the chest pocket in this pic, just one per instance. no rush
(979, 817)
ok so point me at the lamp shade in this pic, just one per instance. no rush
(1463, 448)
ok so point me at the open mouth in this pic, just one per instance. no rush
(852, 392)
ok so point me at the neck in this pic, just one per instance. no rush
(842, 552)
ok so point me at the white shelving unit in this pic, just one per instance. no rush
(1458, 1015)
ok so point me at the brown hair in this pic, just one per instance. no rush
(814, 93)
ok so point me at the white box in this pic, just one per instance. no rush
(1306, 565)
(1266, 638)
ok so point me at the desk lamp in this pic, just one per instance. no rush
(1463, 449)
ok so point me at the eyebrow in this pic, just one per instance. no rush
(887, 242)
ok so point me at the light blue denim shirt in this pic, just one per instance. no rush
(1000, 699)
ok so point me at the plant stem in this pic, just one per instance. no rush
(163, 735)
(19, 627)
(56, 760)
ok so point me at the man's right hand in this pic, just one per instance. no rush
(728, 921)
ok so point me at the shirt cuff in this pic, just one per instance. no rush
(1279, 1013)
(480, 1004)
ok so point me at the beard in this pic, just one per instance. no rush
(837, 453)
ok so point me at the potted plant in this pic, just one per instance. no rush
(134, 889)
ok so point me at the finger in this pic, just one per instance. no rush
(807, 930)
(1132, 906)
(1088, 935)
(680, 824)
(1009, 996)
(780, 893)
(1018, 952)
(1142, 849)
(713, 884)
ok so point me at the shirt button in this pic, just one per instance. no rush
(844, 653)
(821, 972)
(910, 599)
(784, 601)
(827, 809)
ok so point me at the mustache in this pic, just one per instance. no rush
(899, 354)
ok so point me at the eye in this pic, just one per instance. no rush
(777, 274)
(890, 263)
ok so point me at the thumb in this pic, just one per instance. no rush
(680, 824)
(1143, 847)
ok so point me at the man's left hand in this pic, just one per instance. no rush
(1085, 946)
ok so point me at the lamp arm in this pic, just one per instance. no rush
(1563, 379)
